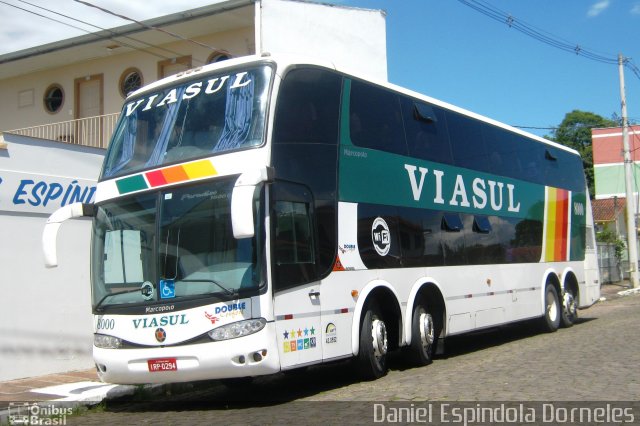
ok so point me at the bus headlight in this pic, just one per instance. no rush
(238, 329)
(106, 342)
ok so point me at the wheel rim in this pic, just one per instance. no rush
(552, 307)
(427, 334)
(379, 334)
(570, 306)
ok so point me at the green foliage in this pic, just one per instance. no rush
(606, 236)
(610, 237)
(575, 132)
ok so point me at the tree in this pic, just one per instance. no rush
(610, 237)
(575, 132)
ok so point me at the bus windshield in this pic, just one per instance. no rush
(187, 250)
(209, 115)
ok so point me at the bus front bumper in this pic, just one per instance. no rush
(252, 355)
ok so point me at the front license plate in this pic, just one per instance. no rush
(166, 364)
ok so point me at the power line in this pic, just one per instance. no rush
(546, 37)
(79, 28)
(43, 16)
(150, 27)
(113, 33)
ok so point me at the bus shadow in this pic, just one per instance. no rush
(472, 342)
(291, 386)
(261, 392)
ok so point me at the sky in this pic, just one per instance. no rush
(441, 48)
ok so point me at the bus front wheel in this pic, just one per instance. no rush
(423, 336)
(552, 310)
(372, 356)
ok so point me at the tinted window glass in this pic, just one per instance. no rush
(517, 156)
(563, 169)
(376, 119)
(505, 151)
(427, 137)
(293, 236)
(420, 237)
(526, 244)
(294, 240)
(466, 142)
(308, 107)
(483, 239)
(305, 147)
(201, 117)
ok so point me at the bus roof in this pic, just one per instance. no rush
(285, 61)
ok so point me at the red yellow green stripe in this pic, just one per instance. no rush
(166, 176)
(556, 225)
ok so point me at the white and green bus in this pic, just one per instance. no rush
(259, 215)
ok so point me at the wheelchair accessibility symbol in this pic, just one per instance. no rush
(167, 289)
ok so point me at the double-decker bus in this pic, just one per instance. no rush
(263, 214)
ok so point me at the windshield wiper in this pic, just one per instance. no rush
(115, 294)
(226, 290)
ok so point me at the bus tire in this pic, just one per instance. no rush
(372, 356)
(423, 336)
(552, 309)
(569, 308)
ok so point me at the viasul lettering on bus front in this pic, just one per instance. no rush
(210, 86)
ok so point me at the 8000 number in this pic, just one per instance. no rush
(105, 324)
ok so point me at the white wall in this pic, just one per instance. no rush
(354, 39)
(45, 314)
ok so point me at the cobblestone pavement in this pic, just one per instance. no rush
(595, 360)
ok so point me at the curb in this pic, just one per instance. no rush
(64, 400)
(629, 292)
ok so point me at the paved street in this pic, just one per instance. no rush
(593, 361)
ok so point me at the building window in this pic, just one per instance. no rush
(53, 98)
(25, 98)
(130, 81)
(218, 57)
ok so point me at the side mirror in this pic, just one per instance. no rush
(50, 233)
(242, 219)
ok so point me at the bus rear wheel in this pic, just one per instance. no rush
(569, 309)
(423, 336)
(372, 356)
(552, 310)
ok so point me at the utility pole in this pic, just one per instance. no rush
(632, 246)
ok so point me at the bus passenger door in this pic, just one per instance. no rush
(297, 313)
(296, 290)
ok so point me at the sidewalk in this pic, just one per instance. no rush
(70, 389)
(83, 388)
(615, 290)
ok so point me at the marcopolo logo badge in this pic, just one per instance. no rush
(381, 236)
(161, 335)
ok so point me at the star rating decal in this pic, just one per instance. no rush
(294, 344)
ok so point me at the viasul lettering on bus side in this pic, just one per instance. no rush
(478, 194)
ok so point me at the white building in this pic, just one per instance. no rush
(45, 315)
(87, 78)
(71, 92)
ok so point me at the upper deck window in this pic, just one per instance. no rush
(376, 118)
(201, 117)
